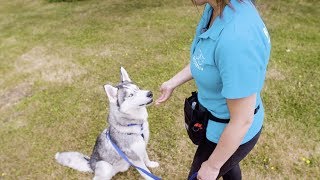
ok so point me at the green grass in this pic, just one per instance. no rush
(55, 57)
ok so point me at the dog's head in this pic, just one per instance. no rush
(126, 95)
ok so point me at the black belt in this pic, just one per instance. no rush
(213, 118)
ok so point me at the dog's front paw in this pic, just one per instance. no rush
(152, 164)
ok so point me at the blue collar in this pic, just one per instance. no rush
(136, 125)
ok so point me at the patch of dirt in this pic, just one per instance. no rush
(14, 95)
(39, 64)
(10, 97)
(274, 74)
(98, 52)
(43, 64)
(9, 41)
(108, 50)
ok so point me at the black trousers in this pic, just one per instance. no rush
(231, 169)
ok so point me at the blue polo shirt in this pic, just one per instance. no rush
(229, 61)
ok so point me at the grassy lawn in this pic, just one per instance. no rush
(55, 57)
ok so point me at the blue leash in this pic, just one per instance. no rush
(194, 176)
(126, 159)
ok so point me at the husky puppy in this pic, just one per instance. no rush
(128, 129)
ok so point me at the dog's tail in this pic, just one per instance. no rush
(74, 160)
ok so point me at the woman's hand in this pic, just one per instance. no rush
(167, 87)
(166, 90)
(207, 172)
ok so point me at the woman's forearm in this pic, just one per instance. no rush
(229, 142)
(241, 118)
(181, 77)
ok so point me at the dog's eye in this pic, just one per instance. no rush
(130, 95)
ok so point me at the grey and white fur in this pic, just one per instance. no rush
(128, 128)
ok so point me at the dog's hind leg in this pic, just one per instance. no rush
(103, 171)
(121, 166)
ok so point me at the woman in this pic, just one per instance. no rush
(229, 57)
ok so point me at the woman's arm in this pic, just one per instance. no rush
(181, 77)
(241, 117)
(167, 87)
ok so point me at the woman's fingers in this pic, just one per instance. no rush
(163, 97)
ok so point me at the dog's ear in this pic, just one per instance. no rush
(111, 93)
(124, 75)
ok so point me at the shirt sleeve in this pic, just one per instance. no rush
(237, 60)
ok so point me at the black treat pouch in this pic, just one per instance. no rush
(196, 119)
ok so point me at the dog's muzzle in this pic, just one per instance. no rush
(149, 94)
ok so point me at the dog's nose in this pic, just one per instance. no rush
(150, 95)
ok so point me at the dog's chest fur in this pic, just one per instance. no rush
(139, 148)
(129, 134)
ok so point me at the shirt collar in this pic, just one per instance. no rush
(219, 23)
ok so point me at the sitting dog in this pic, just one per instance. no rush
(128, 129)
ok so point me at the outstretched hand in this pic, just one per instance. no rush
(166, 90)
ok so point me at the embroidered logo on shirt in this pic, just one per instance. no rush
(198, 60)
